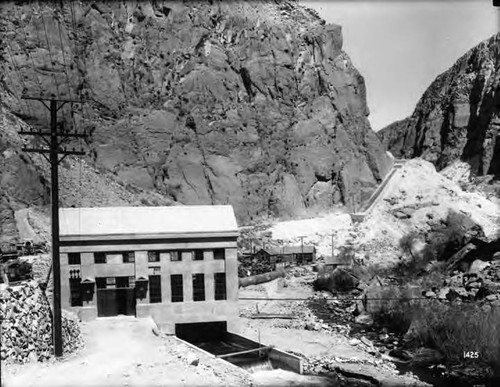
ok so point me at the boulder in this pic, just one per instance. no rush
(443, 293)
(477, 266)
(192, 359)
(426, 356)
(401, 354)
(487, 288)
(364, 319)
(456, 258)
(456, 280)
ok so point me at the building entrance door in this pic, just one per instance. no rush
(115, 298)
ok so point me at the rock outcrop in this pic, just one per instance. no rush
(458, 115)
(248, 103)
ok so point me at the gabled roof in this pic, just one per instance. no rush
(146, 221)
(341, 259)
(289, 250)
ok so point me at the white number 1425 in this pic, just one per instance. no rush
(471, 355)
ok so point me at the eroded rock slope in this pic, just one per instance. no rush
(248, 103)
(458, 117)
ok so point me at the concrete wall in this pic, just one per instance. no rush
(286, 361)
(167, 313)
(279, 358)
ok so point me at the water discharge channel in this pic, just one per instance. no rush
(238, 350)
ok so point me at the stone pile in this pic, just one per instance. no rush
(27, 325)
(482, 282)
(326, 365)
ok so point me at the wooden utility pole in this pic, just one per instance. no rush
(333, 233)
(56, 139)
(302, 249)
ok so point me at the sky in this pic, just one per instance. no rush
(400, 47)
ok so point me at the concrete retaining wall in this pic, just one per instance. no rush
(286, 361)
(377, 195)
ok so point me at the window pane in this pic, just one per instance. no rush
(219, 254)
(129, 257)
(122, 282)
(220, 286)
(110, 282)
(198, 255)
(176, 287)
(153, 256)
(100, 282)
(75, 291)
(154, 288)
(198, 287)
(74, 259)
(175, 256)
(99, 257)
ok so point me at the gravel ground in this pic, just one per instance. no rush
(123, 351)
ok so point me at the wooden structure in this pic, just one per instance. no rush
(343, 257)
(286, 256)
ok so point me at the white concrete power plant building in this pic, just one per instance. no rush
(177, 264)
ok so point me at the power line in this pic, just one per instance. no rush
(50, 53)
(54, 150)
(78, 55)
(79, 92)
(64, 56)
(338, 299)
(21, 80)
(29, 55)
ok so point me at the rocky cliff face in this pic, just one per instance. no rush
(458, 115)
(248, 103)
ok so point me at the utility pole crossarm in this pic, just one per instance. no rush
(41, 98)
(60, 151)
(48, 134)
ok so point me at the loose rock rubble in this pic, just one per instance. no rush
(482, 282)
(27, 326)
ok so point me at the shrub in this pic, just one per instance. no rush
(339, 280)
(457, 328)
(393, 307)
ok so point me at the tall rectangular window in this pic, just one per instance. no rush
(219, 254)
(175, 256)
(198, 255)
(74, 259)
(99, 257)
(153, 256)
(75, 291)
(220, 286)
(198, 287)
(154, 288)
(176, 287)
(129, 257)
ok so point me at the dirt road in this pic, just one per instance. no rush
(123, 351)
